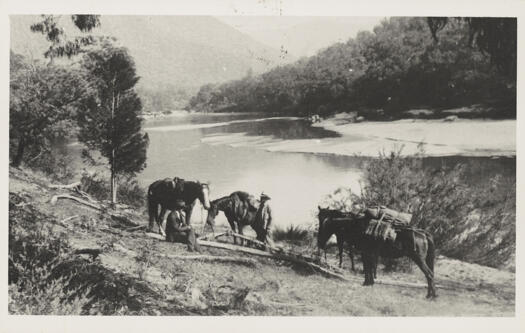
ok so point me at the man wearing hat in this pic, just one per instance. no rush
(178, 231)
(263, 220)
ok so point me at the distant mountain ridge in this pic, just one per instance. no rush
(177, 51)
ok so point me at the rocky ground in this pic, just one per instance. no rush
(158, 280)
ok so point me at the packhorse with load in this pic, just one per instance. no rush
(379, 231)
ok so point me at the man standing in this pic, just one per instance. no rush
(178, 231)
(263, 220)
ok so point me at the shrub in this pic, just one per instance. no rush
(45, 278)
(292, 233)
(35, 251)
(129, 191)
(55, 163)
(473, 223)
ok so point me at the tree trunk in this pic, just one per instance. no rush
(113, 188)
(19, 153)
(113, 176)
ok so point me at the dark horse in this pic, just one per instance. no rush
(239, 208)
(417, 244)
(341, 237)
(166, 192)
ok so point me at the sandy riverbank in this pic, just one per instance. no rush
(439, 138)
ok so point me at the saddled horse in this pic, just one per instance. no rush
(340, 235)
(166, 192)
(417, 244)
(239, 208)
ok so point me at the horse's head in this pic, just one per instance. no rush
(213, 211)
(322, 236)
(327, 226)
(204, 195)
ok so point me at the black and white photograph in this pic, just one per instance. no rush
(261, 165)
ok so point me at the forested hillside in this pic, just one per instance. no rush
(398, 66)
(175, 55)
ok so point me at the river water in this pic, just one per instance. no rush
(228, 151)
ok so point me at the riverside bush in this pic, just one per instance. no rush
(129, 191)
(475, 223)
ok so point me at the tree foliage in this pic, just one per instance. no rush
(109, 122)
(471, 222)
(42, 99)
(495, 36)
(61, 44)
(381, 73)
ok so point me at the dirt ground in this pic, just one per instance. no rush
(268, 286)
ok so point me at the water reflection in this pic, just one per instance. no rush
(284, 129)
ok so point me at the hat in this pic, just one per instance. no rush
(264, 196)
(180, 204)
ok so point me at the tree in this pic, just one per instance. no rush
(40, 97)
(109, 122)
(61, 45)
(497, 36)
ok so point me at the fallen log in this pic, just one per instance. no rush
(116, 216)
(69, 186)
(210, 258)
(55, 198)
(140, 227)
(93, 252)
(235, 260)
(279, 256)
(124, 220)
(69, 218)
(206, 237)
(277, 250)
(157, 236)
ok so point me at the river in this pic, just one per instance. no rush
(231, 153)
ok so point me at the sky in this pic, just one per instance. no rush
(300, 35)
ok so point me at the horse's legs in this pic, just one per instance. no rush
(241, 232)
(153, 211)
(351, 254)
(431, 292)
(366, 264)
(429, 260)
(340, 246)
(188, 211)
(160, 220)
(375, 266)
(232, 225)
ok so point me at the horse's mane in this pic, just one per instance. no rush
(220, 203)
(242, 195)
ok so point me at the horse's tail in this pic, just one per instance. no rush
(431, 252)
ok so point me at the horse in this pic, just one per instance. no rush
(340, 235)
(166, 192)
(239, 208)
(416, 244)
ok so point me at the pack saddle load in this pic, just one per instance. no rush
(384, 222)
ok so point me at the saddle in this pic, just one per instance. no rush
(176, 184)
(381, 230)
(389, 215)
(253, 203)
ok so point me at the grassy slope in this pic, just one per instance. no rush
(193, 287)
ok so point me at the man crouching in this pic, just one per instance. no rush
(178, 231)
